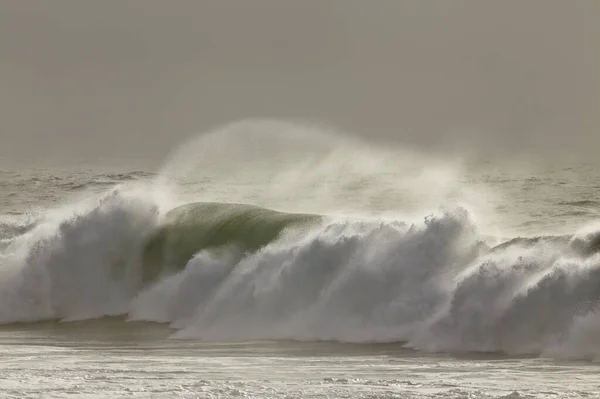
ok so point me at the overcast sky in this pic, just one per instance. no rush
(133, 78)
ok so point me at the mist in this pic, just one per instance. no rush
(136, 78)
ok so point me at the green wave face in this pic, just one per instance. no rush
(206, 225)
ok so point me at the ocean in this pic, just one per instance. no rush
(279, 261)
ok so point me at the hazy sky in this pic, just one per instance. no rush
(133, 78)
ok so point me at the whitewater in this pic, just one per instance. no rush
(271, 259)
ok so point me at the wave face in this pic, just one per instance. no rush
(238, 272)
(193, 227)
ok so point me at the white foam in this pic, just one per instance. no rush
(76, 260)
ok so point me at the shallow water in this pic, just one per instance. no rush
(112, 358)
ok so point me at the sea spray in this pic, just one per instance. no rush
(311, 169)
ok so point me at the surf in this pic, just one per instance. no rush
(261, 265)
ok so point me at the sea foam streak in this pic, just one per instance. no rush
(252, 273)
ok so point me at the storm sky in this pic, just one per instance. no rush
(135, 77)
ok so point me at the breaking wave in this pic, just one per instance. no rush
(231, 271)
(236, 272)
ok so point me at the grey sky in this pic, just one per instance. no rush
(133, 78)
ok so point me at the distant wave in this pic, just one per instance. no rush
(236, 272)
(581, 203)
(77, 181)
